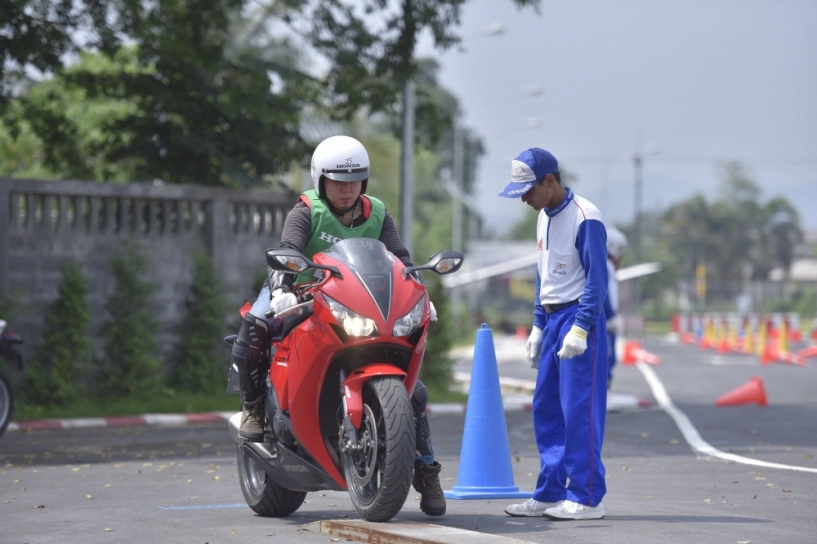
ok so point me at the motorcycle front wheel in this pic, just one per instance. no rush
(379, 473)
(6, 403)
(264, 496)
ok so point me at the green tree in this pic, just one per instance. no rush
(56, 374)
(33, 36)
(192, 105)
(130, 365)
(198, 362)
(370, 45)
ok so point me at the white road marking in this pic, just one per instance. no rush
(720, 360)
(691, 435)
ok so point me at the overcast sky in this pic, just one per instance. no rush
(704, 81)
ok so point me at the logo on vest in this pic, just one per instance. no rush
(326, 237)
(560, 269)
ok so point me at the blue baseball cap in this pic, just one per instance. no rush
(529, 166)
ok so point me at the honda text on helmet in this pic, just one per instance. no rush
(340, 158)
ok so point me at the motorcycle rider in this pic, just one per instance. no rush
(336, 208)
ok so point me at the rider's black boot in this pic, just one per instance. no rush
(250, 357)
(426, 475)
(427, 482)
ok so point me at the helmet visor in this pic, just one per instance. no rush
(346, 174)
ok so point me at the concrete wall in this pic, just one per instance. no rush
(43, 223)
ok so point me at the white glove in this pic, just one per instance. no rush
(282, 301)
(575, 343)
(614, 325)
(533, 346)
(433, 311)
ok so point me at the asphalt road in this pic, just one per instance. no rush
(153, 484)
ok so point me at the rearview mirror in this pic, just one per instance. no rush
(292, 261)
(442, 262)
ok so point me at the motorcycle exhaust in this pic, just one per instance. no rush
(286, 467)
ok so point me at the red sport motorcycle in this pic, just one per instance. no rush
(344, 365)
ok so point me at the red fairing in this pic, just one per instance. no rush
(303, 358)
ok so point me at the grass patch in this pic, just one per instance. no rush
(657, 327)
(166, 403)
(439, 394)
(162, 403)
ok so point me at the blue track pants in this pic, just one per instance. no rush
(569, 411)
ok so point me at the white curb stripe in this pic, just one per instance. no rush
(83, 422)
(165, 419)
(691, 435)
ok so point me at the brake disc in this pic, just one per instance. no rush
(364, 460)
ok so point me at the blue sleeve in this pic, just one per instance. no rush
(609, 313)
(591, 242)
(538, 310)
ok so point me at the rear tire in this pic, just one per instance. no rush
(264, 496)
(6, 403)
(379, 476)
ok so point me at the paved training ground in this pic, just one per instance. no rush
(179, 484)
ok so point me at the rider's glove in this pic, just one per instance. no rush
(575, 343)
(433, 311)
(281, 300)
(533, 346)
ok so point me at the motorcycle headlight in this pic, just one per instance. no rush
(409, 322)
(353, 323)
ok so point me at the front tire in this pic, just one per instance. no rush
(263, 495)
(379, 475)
(6, 403)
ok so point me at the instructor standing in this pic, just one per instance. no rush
(568, 342)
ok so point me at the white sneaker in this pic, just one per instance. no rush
(530, 507)
(574, 510)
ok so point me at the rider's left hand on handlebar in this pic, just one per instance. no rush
(282, 301)
(433, 311)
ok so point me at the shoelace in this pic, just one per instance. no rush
(432, 484)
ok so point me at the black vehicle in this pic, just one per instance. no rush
(12, 358)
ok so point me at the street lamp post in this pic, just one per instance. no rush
(638, 188)
(407, 148)
(407, 167)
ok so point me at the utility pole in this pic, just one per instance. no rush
(638, 165)
(457, 170)
(407, 167)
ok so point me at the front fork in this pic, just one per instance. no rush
(351, 391)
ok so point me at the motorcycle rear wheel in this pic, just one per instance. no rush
(6, 403)
(264, 496)
(379, 475)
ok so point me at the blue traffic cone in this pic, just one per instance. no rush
(485, 459)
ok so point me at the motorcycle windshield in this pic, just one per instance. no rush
(371, 263)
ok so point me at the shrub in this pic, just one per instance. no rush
(437, 370)
(55, 376)
(200, 359)
(129, 365)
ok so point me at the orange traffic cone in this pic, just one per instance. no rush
(522, 332)
(749, 393)
(633, 353)
(805, 353)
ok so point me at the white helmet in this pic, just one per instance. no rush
(616, 242)
(341, 158)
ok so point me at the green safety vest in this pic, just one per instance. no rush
(326, 229)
